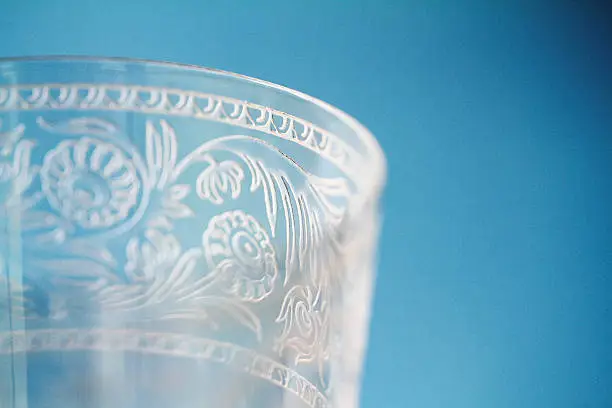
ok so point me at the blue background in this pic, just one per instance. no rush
(494, 288)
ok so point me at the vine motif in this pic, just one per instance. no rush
(93, 187)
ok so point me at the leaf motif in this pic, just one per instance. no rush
(161, 153)
(10, 138)
(325, 190)
(99, 254)
(256, 176)
(77, 272)
(291, 261)
(189, 314)
(132, 253)
(270, 199)
(52, 237)
(153, 152)
(213, 309)
(176, 209)
(311, 217)
(121, 296)
(160, 221)
(16, 298)
(23, 173)
(23, 152)
(178, 191)
(304, 232)
(233, 309)
(79, 126)
(39, 220)
(244, 316)
(124, 297)
(262, 177)
(180, 274)
(155, 250)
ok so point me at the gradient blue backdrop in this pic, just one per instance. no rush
(494, 287)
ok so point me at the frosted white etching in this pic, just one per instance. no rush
(110, 226)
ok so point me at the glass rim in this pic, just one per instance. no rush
(374, 151)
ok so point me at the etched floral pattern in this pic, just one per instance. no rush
(16, 174)
(93, 182)
(305, 325)
(146, 258)
(238, 247)
(231, 266)
(90, 182)
(9, 187)
(220, 180)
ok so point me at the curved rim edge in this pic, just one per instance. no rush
(372, 145)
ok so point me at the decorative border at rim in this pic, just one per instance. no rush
(157, 100)
(169, 344)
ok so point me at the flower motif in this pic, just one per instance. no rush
(154, 255)
(239, 248)
(219, 179)
(90, 182)
(305, 327)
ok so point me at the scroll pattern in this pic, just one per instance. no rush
(99, 220)
(153, 100)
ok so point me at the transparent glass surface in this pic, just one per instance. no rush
(174, 236)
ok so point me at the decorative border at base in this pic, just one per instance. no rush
(169, 344)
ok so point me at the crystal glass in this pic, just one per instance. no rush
(174, 236)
